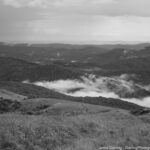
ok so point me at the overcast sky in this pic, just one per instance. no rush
(75, 21)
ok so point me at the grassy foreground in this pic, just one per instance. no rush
(71, 126)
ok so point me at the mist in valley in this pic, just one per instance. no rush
(117, 87)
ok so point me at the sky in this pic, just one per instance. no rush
(75, 21)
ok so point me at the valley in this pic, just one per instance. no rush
(74, 97)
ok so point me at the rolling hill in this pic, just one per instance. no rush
(19, 70)
(45, 53)
(41, 124)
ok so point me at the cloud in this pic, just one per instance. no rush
(75, 20)
(95, 7)
(77, 28)
(111, 87)
(41, 3)
(28, 3)
(59, 29)
(121, 28)
(13, 3)
(117, 87)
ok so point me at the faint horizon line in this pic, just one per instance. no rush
(73, 42)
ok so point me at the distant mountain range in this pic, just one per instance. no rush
(45, 53)
(61, 61)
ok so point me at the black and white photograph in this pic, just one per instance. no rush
(74, 74)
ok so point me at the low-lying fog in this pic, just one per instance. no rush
(120, 87)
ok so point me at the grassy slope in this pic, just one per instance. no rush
(5, 94)
(72, 128)
(29, 90)
(56, 124)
